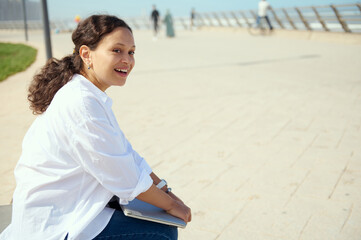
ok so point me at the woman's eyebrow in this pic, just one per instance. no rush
(122, 44)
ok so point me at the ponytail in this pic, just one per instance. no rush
(55, 74)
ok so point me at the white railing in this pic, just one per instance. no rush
(332, 18)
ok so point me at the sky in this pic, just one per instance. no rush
(68, 9)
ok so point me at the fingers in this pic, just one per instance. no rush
(181, 211)
(188, 215)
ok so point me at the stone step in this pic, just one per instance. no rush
(5, 216)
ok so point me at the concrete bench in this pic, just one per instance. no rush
(5, 216)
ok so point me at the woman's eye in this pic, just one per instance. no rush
(131, 53)
(116, 50)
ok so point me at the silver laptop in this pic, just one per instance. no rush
(145, 211)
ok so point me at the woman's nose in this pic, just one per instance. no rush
(126, 58)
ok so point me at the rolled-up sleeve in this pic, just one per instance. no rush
(107, 155)
(141, 162)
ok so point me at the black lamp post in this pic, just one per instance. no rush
(46, 29)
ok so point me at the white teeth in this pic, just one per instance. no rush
(121, 70)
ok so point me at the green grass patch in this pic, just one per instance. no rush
(15, 58)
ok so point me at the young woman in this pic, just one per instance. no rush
(75, 158)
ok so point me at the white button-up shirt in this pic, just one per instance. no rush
(74, 160)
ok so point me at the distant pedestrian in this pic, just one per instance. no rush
(155, 19)
(168, 20)
(193, 18)
(263, 6)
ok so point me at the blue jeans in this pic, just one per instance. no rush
(126, 228)
(267, 19)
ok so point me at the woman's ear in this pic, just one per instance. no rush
(85, 54)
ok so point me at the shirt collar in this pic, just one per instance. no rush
(99, 93)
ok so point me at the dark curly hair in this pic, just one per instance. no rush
(56, 73)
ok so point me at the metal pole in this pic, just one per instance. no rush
(235, 18)
(320, 19)
(199, 16)
(46, 29)
(183, 23)
(218, 20)
(303, 19)
(289, 19)
(25, 21)
(276, 17)
(340, 20)
(254, 15)
(209, 19)
(359, 6)
(225, 17)
(245, 19)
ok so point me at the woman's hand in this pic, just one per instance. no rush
(180, 210)
(167, 201)
(173, 206)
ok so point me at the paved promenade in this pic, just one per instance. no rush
(261, 136)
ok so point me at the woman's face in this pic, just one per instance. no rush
(113, 59)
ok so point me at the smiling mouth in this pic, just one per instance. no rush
(122, 72)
